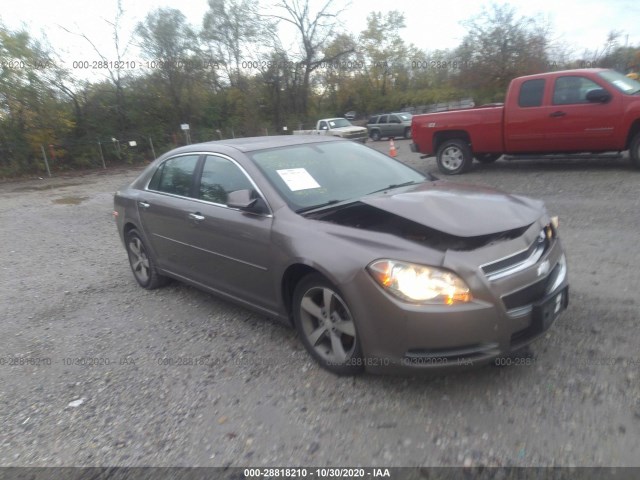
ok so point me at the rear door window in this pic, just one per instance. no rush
(531, 93)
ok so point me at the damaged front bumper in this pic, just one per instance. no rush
(507, 313)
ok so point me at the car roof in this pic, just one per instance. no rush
(249, 144)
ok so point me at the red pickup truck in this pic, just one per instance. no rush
(572, 111)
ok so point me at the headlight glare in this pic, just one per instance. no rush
(419, 283)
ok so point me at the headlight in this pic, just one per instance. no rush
(418, 283)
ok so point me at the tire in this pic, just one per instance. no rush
(454, 157)
(634, 150)
(328, 333)
(487, 157)
(407, 132)
(142, 265)
(375, 135)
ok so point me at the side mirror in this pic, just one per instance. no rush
(242, 200)
(598, 95)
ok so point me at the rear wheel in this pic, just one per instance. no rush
(326, 326)
(487, 157)
(454, 156)
(375, 135)
(142, 265)
(634, 151)
(407, 132)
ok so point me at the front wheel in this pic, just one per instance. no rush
(454, 157)
(375, 135)
(142, 265)
(407, 132)
(326, 326)
(634, 151)
(487, 157)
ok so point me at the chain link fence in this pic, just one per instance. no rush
(106, 152)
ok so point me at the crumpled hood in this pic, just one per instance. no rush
(458, 209)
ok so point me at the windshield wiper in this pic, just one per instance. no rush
(317, 207)
(393, 185)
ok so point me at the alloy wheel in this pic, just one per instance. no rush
(139, 260)
(328, 325)
(452, 158)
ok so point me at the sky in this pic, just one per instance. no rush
(430, 25)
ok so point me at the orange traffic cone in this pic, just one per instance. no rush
(392, 148)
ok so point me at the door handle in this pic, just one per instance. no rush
(558, 114)
(143, 204)
(196, 217)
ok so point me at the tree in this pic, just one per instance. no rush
(338, 93)
(31, 113)
(612, 55)
(171, 46)
(230, 29)
(498, 47)
(315, 30)
(384, 51)
(116, 74)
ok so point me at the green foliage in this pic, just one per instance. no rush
(499, 46)
(235, 78)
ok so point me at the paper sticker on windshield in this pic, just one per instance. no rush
(297, 179)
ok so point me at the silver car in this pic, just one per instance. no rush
(389, 125)
(378, 266)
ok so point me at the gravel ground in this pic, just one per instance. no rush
(251, 396)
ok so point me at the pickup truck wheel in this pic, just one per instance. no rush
(454, 157)
(487, 157)
(407, 132)
(375, 135)
(634, 151)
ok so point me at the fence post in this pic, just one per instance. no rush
(101, 155)
(153, 150)
(46, 163)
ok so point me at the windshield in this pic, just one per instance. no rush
(323, 173)
(339, 122)
(621, 82)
